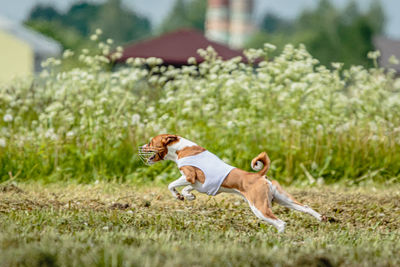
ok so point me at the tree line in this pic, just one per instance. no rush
(330, 34)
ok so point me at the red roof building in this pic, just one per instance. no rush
(176, 47)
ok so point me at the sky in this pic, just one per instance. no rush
(156, 10)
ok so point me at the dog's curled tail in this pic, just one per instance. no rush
(261, 163)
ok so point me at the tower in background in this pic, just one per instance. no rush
(229, 21)
(241, 22)
(217, 21)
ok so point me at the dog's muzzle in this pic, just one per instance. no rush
(147, 154)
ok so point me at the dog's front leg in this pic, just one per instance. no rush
(177, 183)
(186, 193)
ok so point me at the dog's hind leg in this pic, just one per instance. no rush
(259, 200)
(267, 216)
(285, 199)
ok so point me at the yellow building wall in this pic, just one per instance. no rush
(16, 57)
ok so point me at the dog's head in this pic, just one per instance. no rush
(157, 148)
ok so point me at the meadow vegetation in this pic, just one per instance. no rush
(318, 123)
(82, 125)
(109, 224)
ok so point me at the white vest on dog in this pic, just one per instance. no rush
(214, 169)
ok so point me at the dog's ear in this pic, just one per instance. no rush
(169, 139)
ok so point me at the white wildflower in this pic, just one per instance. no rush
(373, 126)
(394, 60)
(68, 53)
(120, 49)
(374, 138)
(51, 134)
(296, 123)
(230, 82)
(116, 56)
(89, 103)
(70, 134)
(320, 181)
(44, 74)
(153, 61)
(314, 165)
(8, 118)
(213, 76)
(106, 51)
(269, 47)
(337, 65)
(135, 119)
(2, 142)
(150, 109)
(202, 52)
(374, 54)
(230, 124)
(192, 61)
(138, 62)
(252, 54)
(94, 37)
(44, 64)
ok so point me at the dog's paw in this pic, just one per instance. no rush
(281, 228)
(329, 219)
(190, 197)
(180, 197)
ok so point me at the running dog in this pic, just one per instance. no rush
(203, 171)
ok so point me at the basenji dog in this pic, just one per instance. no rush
(203, 171)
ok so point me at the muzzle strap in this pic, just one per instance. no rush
(146, 154)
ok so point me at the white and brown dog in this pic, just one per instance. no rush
(258, 191)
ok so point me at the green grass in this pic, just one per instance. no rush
(125, 225)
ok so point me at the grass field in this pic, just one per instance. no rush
(66, 133)
(123, 225)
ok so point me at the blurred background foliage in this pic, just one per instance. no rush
(329, 33)
(185, 14)
(73, 28)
